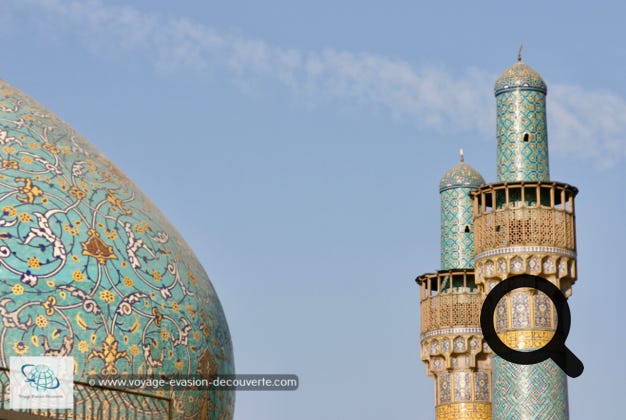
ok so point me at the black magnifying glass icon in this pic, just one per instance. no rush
(555, 349)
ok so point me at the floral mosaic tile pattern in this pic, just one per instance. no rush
(90, 268)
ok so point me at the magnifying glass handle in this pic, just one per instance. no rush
(568, 362)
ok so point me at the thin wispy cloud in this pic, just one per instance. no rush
(584, 123)
(589, 124)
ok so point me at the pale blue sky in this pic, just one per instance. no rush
(298, 146)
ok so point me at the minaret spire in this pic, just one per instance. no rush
(521, 129)
(519, 52)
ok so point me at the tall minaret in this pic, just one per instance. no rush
(524, 224)
(451, 338)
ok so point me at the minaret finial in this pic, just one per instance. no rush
(462, 155)
(519, 52)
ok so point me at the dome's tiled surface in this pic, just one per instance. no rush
(90, 268)
(461, 175)
(520, 75)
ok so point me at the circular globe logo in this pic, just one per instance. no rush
(40, 377)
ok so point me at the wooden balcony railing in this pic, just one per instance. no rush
(528, 214)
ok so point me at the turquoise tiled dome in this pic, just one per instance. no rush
(90, 268)
(520, 75)
(461, 175)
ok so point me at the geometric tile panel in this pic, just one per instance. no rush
(457, 226)
(445, 389)
(544, 315)
(528, 391)
(501, 314)
(462, 390)
(520, 311)
(481, 386)
(522, 138)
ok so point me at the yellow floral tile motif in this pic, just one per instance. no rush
(109, 355)
(83, 346)
(134, 350)
(33, 262)
(41, 321)
(10, 164)
(17, 289)
(49, 304)
(9, 211)
(28, 191)
(107, 296)
(95, 247)
(20, 348)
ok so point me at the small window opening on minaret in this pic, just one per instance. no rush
(467, 229)
(526, 137)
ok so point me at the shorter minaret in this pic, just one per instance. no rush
(457, 220)
(451, 339)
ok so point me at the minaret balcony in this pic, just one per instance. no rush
(525, 228)
(449, 299)
(450, 320)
